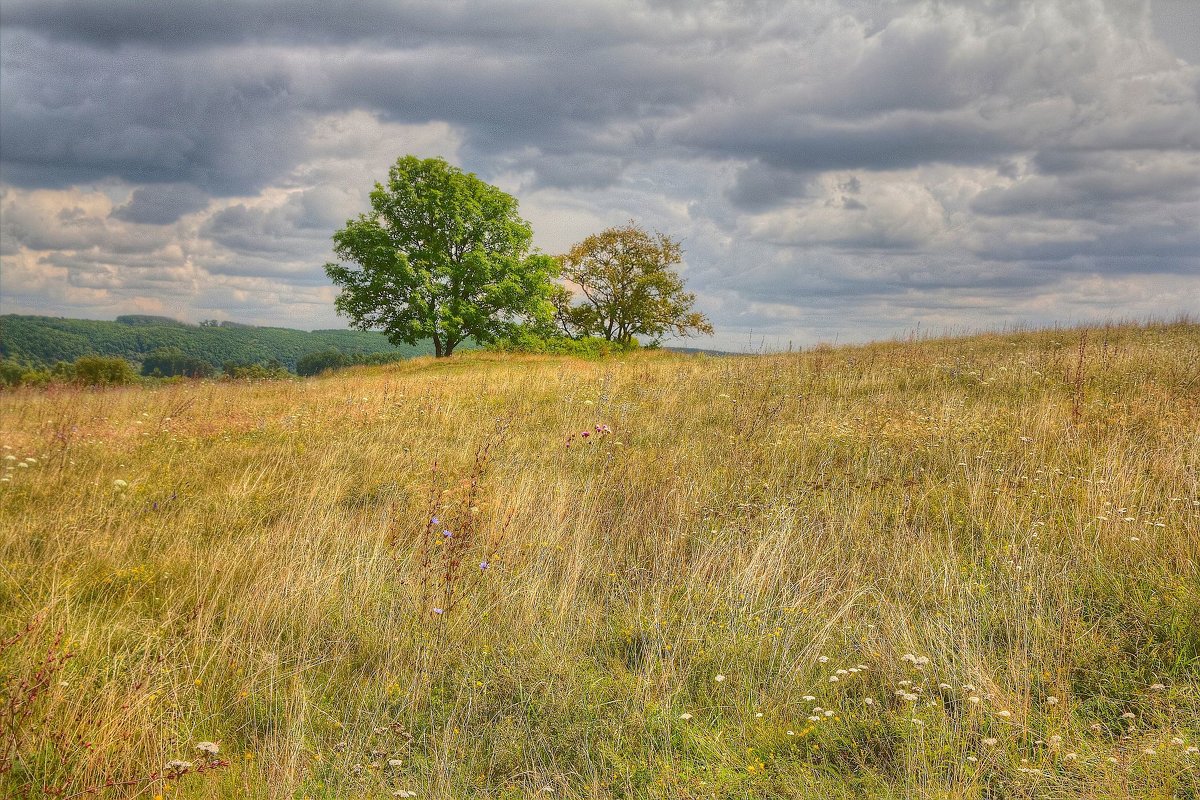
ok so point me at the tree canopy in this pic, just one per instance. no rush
(629, 289)
(441, 255)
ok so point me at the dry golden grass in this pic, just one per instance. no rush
(664, 606)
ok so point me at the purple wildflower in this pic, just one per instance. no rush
(447, 534)
(483, 565)
(439, 611)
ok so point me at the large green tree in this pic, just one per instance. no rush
(628, 288)
(441, 255)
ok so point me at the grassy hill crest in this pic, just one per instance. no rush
(961, 568)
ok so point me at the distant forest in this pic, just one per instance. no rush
(42, 342)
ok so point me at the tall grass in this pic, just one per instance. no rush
(977, 557)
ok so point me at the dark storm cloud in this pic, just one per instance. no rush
(812, 154)
(185, 24)
(161, 204)
(759, 186)
(224, 124)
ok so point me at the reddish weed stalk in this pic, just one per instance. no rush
(21, 693)
(453, 535)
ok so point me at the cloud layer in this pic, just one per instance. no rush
(835, 169)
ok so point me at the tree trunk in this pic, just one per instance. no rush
(437, 345)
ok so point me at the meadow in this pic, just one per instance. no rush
(944, 568)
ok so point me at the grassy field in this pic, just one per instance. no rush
(950, 568)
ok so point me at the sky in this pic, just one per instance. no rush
(837, 170)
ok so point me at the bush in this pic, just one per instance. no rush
(102, 371)
(526, 341)
(316, 363)
(169, 362)
(11, 373)
(15, 374)
(256, 372)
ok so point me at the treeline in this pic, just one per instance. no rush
(170, 347)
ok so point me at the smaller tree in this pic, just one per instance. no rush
(629, 288)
